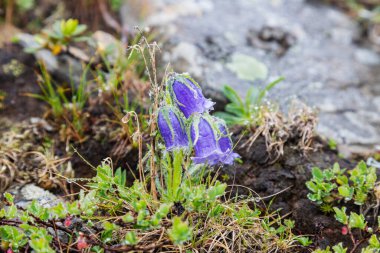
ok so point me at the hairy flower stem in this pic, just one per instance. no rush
(125, 120)
(174, 174)
(155, 91)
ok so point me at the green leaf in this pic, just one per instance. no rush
(374, 242)
(342, 180)
(312, 186)
(130, 238)
(357, 221)
(317, 174)
(9, 197)
(216, 191)
(340, 215)
(268, 88)
(304, 240)
(25, 5)
(11, 212)
(339, 248)
(106, 236)
(232, 96)
(128, 218)
(231, 119)
(346, 192)
(180, 231)
(235, 109)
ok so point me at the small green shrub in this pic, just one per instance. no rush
(336, 186)
(333, 185)
(247, 112)
(61, 35)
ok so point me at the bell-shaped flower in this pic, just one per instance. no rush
(172, 128)
(206, 142)
(187, 95)
(225, 143)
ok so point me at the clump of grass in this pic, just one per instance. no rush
(63, 107)
(261, 118)
(22, 161)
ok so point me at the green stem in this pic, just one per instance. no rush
(177, 171)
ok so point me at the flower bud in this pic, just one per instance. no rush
(172, 128)
(187, 95)
(210, 146)
(82, 242)
(225, 143)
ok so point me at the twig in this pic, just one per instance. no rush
(9, 12)
(126, 248)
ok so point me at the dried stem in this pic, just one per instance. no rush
(9, 12)
(125, 120)
(155, 93)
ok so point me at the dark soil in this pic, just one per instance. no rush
(285, 180)
(17, 105)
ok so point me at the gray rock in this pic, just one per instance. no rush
(186, 57)
(27, 41)
(367, 57)
(64, 67)
(24, 195)
(325, 67)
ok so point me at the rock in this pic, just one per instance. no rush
(64, 67)
(106, 42)
(165, 12)
(215, 48)
(39, 122)
(24, 195)
(247, 67)
(27, 41)
(325, 68)
(186, 57)
(367, 57)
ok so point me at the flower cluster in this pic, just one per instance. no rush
(184, 122)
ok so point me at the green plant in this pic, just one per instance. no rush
(50, 94)
(2, 98)
(65, 107)
(173, 175)
(60, 36)
(332, 144)
(350, 222)
(180, 232)
(333, 185)
(248, 112)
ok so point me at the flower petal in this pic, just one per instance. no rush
(188, 96)
(172, 128)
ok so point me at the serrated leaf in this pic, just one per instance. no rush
(340, 215)
(356, 221)
(317, 173)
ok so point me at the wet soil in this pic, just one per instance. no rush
(17, 79)
(281, 184)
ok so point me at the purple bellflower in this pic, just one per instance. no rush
(187, 95)
(225, 144)
(172, 128)
(210, 146)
